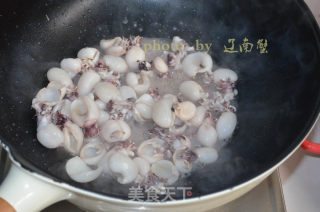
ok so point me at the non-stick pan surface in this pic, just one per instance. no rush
(278, 91)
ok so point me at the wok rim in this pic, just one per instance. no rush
(98, 196)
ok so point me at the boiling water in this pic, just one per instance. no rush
(165, 85)
(140, 131)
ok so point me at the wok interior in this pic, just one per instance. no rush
(278, 91)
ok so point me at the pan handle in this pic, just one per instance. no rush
(312, 143)
(21, 191)
(311, 147)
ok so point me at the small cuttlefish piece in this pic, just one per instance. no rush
(105, 44)
(106, 91)
(73, 137)
(143, 108)
(198, 62)
(160, 65)
(92, 153)
(127, 93)
(226, 124)
(71, 65)
(192, 90)
(50, 95)
(115, 64)
(116, 46)
(143, 166)
(185, 110)
(63, 108)
(84, 111)
(199, 117)
(133, 56)
(223, 74)
(80, 172)
(166, 170)
(181, 142)
(115, 130)
(123, 167)
(162, 111)
(50, 136)
(89, 55)
(206, 155)
(104, 116)
(140, 83)
(152, 150)
(181, 162)
(60, 76)
(87, 82)
(207, 134)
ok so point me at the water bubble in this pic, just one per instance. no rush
(135, 24)
(125, 20)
